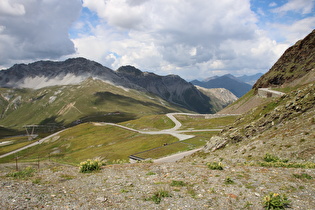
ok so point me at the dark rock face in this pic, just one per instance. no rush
(40, 74)
(296, 61)
(77, 67)
(171, 88)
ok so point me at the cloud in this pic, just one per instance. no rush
(169, 36)
(194, 39)
(295, 31)
(11, 8)
(36, 29)
(303, 6)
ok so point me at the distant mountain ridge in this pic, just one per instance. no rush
(228, 81)
(49, 73)
(220, 97)
(73, 71)
(250, 79)
(171, 88)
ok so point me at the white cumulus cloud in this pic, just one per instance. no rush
(189, 38)
(303, 6)
(36, 29)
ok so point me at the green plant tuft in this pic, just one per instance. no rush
(26, 172)
(91, 165)
(159, 195)
(303, 176)
(178, 183)
(272, 158)
(228, 180)
(215, 166)
(276, 201)
(150, 173)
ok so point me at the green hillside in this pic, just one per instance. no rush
(89, 141)
(92, 100)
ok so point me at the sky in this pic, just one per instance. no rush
(194, 39)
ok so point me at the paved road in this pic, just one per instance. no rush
(175, 157)
(172, 131)
(31, 145)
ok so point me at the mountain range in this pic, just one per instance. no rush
(229, 82)
(43, 74)
(79, 89)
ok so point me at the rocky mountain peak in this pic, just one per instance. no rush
(42, 74)
(131, 70)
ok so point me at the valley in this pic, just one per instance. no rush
(188, 134)
(256, 151)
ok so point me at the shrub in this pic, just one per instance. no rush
(178, 183)
(90, 165)
(303, 176)
(287, 165)
(26, 172)
(150, 173)
(272, 158)
(276, 201)
(119, 161)
(215, 166)
(159, 195)
(228, 180)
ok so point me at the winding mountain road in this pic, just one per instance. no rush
(172, 131)
(31, 145)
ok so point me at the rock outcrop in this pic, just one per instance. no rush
(171, 88)
(296, 62)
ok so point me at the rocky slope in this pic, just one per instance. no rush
(296, 61)
(277, 123)
(171, 88)
(220, 97)
(133, 186)
(284, 121)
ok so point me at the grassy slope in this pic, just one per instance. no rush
(152, 122)
(87, 140)
(90, 101)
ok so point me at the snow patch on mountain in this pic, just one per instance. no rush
(41, 81)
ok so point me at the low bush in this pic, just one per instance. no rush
(26, 172)
(159, 195)
(276, 201)
(287, 165)
(215, 166)
(150, 173)
(178, 183)
(90, 165)
(228, 180)
(272, 158)
(303, 176)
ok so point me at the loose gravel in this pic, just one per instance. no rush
(131, 186)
